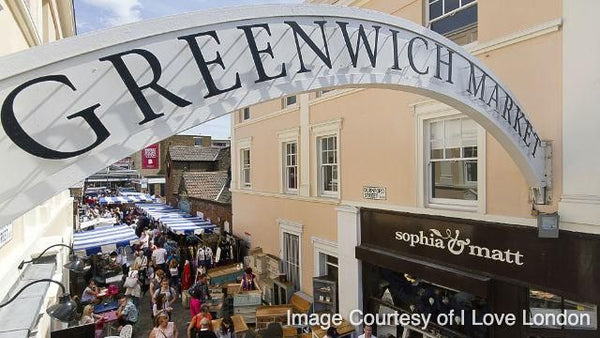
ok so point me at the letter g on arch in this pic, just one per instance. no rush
(16, 133)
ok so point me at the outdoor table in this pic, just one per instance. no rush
(103, 293)
(101, 308)
(110, 318)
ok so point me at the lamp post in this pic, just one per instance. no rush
(65, 310)
(75, 264)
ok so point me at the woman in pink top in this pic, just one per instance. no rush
(163, 328)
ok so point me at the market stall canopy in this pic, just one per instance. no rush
(175, 220)
(103, 240)
(140, 196)
(101, 221)
(126, 198)
(191, 228)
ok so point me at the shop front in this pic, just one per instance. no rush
(465, 278)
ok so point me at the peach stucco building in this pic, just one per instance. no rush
(325, 180)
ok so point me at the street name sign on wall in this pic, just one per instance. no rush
(374, 193)
(72, 107)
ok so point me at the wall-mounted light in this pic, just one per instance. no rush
(75, 264)
(65, 310)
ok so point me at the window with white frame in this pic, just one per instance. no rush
(291, 251)
(290, 169)
(291, 258)
(451, 153)
(456, 19)
(328, 266)
(328, 165)
(289, 101)
(245, 114)
(245, 168)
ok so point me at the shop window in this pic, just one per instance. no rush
(290, 170)
(328, 269)
(387, 291)
(289, 101)
(452, 161)
(550, 311)
(328, 165)
(456, 19)
(245, 168)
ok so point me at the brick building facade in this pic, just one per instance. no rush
(197, 179)
(208, 193)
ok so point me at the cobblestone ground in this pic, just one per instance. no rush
(180, 316)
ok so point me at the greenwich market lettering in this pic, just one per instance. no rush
(478, 85)
(451, 242)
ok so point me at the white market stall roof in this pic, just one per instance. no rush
(175, 220)
(101, 221)
(104, 240)
(129, 197)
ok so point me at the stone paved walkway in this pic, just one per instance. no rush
(181, 316)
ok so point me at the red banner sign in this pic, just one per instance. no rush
(150, 157)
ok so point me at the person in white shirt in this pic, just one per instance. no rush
(134, 291)
(144, 240)
(368, 332)
(159, 256)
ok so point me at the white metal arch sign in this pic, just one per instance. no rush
(70, 108)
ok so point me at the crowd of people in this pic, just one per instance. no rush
(156, 270)
(92, 209)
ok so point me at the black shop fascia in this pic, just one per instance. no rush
(414, 263)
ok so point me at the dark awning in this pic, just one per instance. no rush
(431, 272)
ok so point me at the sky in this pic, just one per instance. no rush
(92, 15)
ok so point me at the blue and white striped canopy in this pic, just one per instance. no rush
(126, 198)
(139, 196)
(190, 228)
(175, 220)
(104, 240)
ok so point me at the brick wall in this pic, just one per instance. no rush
(217, 212)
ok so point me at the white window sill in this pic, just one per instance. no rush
(454, 207)
(329, 195)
